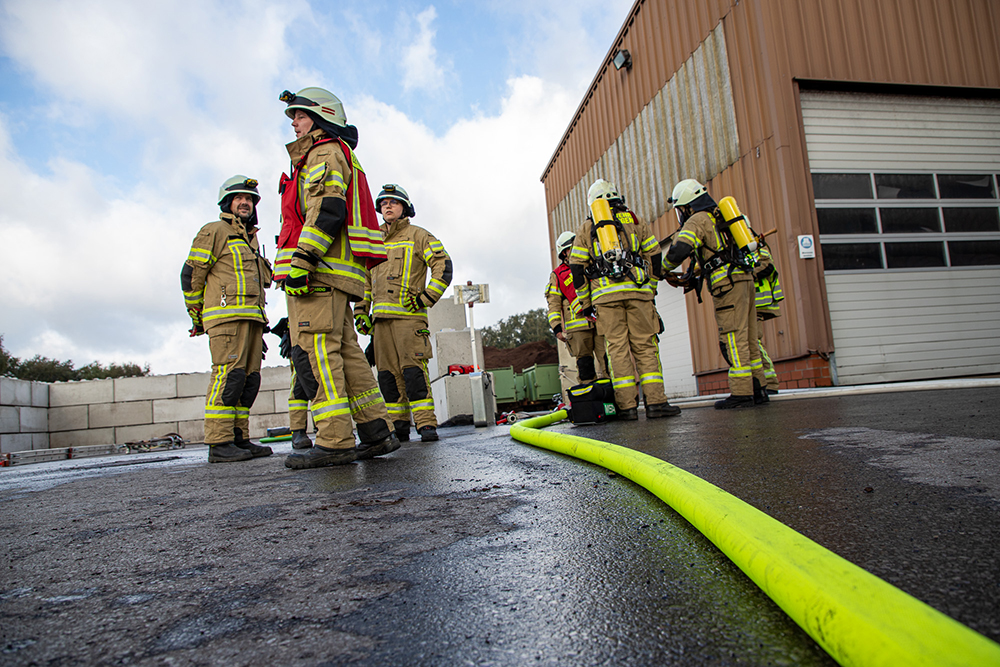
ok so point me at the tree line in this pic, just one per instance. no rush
(519, 329)
(43, 369)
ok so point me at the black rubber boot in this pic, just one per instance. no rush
(428, 434)
(662, 410)
(227, 452)
(759, 393)
(402, 430)
(628, 415)
(300, 440)
(734, 402)
(256, 451)
(368, 450)
(317, 457)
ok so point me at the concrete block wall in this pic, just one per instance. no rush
(36, 415)
(24, 418)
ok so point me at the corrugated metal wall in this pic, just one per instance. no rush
(771, 46)
(688, 130)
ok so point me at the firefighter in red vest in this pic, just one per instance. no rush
(577, 331)
(329, 241)
(223, 281)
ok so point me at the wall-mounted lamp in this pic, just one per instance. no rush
(623, 59)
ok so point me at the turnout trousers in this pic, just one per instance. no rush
(770, 374)
(736, 315)
(629, 328)
(298, 403)
(237, 349)
(584, 345)
(332, 371)
(402, 349)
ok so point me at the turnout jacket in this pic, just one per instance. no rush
(563, 314)
(638, 283)
(412, 251)
(700, 236)
(323, 247)
(224, 277)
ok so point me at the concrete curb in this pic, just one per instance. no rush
(851, 390)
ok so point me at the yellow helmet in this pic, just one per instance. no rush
(319, 101)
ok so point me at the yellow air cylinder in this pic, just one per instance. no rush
(607, 235)
(737, 224)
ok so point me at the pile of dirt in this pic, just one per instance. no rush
(520, 357)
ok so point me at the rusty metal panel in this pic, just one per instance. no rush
(769, 47)
(651, 154)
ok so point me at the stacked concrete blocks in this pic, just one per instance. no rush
(24, 418)
(101, 412)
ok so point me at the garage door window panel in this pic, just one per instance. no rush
(909, 220)
(914, 255)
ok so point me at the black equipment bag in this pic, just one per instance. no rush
(592, 403)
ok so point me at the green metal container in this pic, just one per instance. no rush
(503, 384)
(541, 381)
(519, 390)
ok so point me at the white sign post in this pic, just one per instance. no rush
(473, 294)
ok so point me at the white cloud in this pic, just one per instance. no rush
(420, 67)
(93, 259)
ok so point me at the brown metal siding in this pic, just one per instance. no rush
(771, 44)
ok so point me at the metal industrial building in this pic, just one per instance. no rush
(871, 126)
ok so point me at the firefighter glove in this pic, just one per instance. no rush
(590, 313)
(196, 330)
(413, 302)
(363, 323)
(297, 282)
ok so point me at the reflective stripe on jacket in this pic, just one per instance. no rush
(228, 277)
(561, 311)
(412, 251)
(324, 174)
(700, 232)
(637, 283)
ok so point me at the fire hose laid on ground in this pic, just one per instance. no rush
(853, 615)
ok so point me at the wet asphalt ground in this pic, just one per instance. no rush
(481, 550)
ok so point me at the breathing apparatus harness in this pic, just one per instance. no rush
(611, 259)
(738, 243)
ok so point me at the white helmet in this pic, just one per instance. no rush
(564, 242)
(393, 191)
(602, 189)
(686, 192)
(236, 184)
(319, 101)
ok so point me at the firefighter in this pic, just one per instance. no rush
(577, 332)
(399, 293)
(730, 275)
(615, 263)
(767, 300)
(298, 403)
(224, 280)
(329, 240)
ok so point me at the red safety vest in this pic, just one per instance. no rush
(360, 216)
(564, 276)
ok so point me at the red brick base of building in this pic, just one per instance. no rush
(811, 371)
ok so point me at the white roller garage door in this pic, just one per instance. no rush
(908, 202)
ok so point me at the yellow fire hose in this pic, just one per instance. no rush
(856, 617)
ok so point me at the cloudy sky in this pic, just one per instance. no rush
(119, 119)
